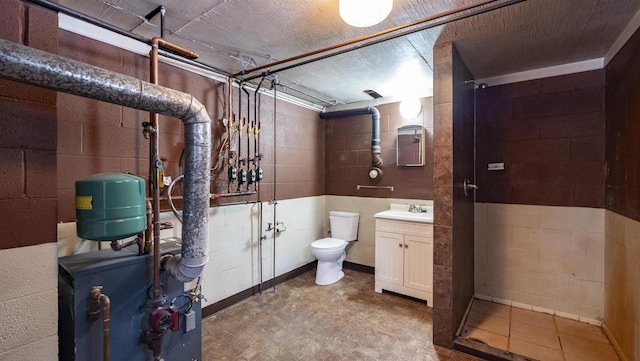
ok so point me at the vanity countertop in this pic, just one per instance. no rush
(400, 212)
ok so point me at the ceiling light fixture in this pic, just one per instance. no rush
(363, 13)
(410, 108)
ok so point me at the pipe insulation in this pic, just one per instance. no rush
(27, 65)
(376, 149)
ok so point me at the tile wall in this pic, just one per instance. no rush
(550, 134)
(622, 289)
(622, 235)
(453, 163)
(547, 257)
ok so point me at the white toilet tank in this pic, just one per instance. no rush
(344, 225)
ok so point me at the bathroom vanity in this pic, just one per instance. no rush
(404, 252)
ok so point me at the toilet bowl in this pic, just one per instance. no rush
(331, 251)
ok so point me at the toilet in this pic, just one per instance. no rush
(331, 251)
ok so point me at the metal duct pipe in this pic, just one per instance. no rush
(27, 65)
(376, 158)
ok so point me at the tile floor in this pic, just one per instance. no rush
(344, 321)
(537, 335)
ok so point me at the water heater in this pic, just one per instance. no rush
(110, 206)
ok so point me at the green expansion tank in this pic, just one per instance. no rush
(110, 206)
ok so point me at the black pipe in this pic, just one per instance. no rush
(48, 4)
(163, 11)
(376, 158)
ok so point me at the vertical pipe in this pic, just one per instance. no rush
(148, 233)
(230, 123)
(155, 176)
(163, 10)
(275, 199)
(246, 162)
(239, 131)
(94, 312)
(256, 133)
(30, 66)
(260, 245)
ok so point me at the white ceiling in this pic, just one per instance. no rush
(233, 35)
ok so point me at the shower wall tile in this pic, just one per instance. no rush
(622, 220)
(542, 256)
(622, 277)
(453, 159)
(549, 133)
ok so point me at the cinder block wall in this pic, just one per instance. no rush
(28, 197)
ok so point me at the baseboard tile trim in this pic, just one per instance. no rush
(571, 316)
(464, 318)
(485, 352)
(614, 343)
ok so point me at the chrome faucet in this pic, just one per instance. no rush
(413, 208)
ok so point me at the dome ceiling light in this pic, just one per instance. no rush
(364, 13)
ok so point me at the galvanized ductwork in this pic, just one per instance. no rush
(35, 67)
(376, 158)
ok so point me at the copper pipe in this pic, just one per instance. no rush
(160, 42)
(155, 177)
(96, 297)
(154, 159)
(149, 231)
(366, 37)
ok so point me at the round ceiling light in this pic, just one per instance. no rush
(410, 108)
(363, 13)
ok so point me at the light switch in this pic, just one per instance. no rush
(495, 166)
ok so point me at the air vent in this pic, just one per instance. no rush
(372, 93)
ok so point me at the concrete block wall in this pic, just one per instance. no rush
(28, 142)
(348, 153)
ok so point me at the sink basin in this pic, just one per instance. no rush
(401, 213)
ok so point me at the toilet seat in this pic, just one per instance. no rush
(328, 244)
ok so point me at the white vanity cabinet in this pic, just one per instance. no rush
(404, 258)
